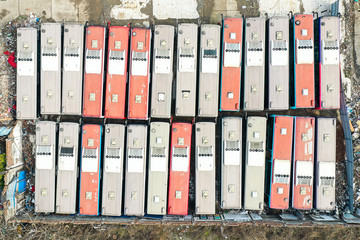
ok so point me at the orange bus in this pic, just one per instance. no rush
(94, 71)
(303, 166)
(280, 146)
(304, 83)
(231, 64)
(139, 73)
(90, 169)
(116, 77)
(179, 176)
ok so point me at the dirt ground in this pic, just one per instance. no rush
(88, 231)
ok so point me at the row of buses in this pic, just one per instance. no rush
(270, 64)
(281, 163)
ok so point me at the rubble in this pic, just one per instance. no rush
(19, 145)
(14, 147)
(353, 107)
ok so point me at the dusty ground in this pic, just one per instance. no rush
(70, 231)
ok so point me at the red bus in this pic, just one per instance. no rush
(179, 176)
(231, 64)
(303, 166)
(116, 77)
(281, 132)
(139, 73)
(90, 169)
(94, 71)
(304, 80)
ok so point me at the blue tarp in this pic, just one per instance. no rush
(4, 131)
(21, 182)
(16, 186)
(335, 8)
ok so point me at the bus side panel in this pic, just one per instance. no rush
(50, 79)
(231, 162)
(113, 169)
(162, 78)
(187, 45)
(329, 94)
(45, 167)
(255, 163)
(254, 80)
(72, 69)
(26, 78)
(158, 168)
(134, 204)
(278, 62)
(208, 95)
(325, 164)
(205, 168)
(68, 150)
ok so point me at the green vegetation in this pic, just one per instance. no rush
(2, 168)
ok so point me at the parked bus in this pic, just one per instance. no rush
(205, 168)
(162, 77)
(304, 84)
(231, 163)
(232, 34)
(158, 168)
(329, 62)
(138, 95)
(278, 63)
(255, 163)
(72, 79)
(94, 71)
(26, 73)
(116, 77)
(187, 47)
(45, 167)
(254, 75)
(113, 169)
(136, 144)
(279, 165)
(208, 95)
(325, 164)
(50, 72)
(91, 146)
(179, 176)
(303, 163)
(67, 170)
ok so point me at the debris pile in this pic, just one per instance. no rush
(340, 184)
(354, 116)
(28, 145)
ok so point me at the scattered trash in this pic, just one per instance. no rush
(351, 126)
(11, 58)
